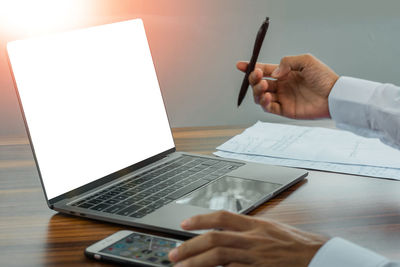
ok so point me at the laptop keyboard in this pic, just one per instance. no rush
(142, 194)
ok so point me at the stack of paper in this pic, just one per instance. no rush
(313, 148)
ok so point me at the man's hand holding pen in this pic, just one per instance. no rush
(300, 89)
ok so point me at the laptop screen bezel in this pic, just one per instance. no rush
(98, 182)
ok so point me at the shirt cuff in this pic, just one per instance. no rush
(349, 101)
(339, 252)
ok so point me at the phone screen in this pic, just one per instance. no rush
(144, 248)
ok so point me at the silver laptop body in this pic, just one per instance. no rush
(101, 139)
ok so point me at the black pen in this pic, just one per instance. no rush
(256, 50)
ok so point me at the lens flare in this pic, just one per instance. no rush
(27, 17)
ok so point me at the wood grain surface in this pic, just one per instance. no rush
(363, 210)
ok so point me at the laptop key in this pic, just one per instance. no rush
(151, 191)
(191, 179)
(147, 210)
(168, 190)
(128, 193)
(182, 183)
(174, 180)
(161, 194)
(123, 183)
(120, 197)
(211, 177)
(105, 197)
(210, 162)
(140, 180)
(100, 207)
(95, 201)
(183, 191)
(168, 182)
(141, 195)
(180, 176)
(190, 172)
(199, 168)
(185, 159)
(191, 164)
(155, 205)
(159, 188)
(114, 208)
(206, 171)
(143, 187)
(128, 202)
(151, 182)
(181, 169)
(175, 187)
(121, 189)
(165, 176)
(152, 198)
(85, 205)
(133, 191)
(129, 210)
(165, 201)
(111, 201)
(145, 202)
(137, 215)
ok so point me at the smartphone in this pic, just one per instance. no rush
(133, 248)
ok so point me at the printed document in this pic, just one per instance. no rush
(313, 148)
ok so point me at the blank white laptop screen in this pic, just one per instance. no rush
(92, 102)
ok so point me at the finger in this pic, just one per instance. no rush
(242, 65)
(263, 87)
(255, 77)
(274, 108)
(292, 63)
(210, 240)
(269, 103)
(217, 256)
(267, 69)
(272, 86)
(259, 89)
(265, 100)
(270, 97)
(219, 220)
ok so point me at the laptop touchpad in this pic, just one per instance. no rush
(229, 193)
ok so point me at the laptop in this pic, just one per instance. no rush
(101, 139)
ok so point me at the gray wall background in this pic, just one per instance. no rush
(196, 44)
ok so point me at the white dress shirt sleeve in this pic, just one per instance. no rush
(339, 252)
(367, 108)
(373, 110)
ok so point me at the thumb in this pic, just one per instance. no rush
(291, 63)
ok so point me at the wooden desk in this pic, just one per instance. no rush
(363, 210)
